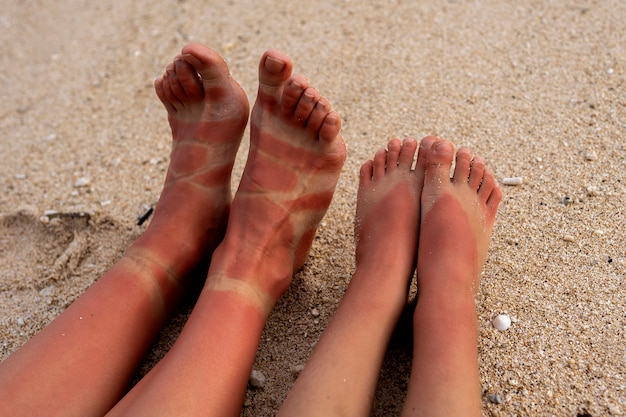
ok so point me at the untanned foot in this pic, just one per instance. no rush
(388, 215)
(458, 214)
(296, 155)
(207, 112)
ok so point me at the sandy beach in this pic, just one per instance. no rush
(536, 87)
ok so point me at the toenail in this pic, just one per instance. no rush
(331, 120)
(273, 64)
(442, 147)
(308, 97)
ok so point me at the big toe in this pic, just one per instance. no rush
(208, 63)
(274, 69)
(439, 162)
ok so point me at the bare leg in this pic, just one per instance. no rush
(296, 155)
(340, 378)
(82, 362)
(457, 218)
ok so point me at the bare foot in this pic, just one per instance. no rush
(296, 155)
(207, 112)
(458, 214)
(388, 215)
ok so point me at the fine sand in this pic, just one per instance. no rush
(536, 87)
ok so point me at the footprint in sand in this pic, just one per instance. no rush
(44, 266)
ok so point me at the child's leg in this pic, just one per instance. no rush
(457, 218)
(296, 155)
(340, 378)
(82, 362)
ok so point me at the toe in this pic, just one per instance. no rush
(160, 92)
(494, 199)
(169, 94)
(294, 88)
(274, 69)
(477, 170)
(329, 133)
(366, 172)
(424, 149)
(305, 106)
(318, 115)
(380, 160)
(486, 187)
(407, 154)
(207, 63)
(462, 167)
(393, 154)
(439, 163)
(188, 79)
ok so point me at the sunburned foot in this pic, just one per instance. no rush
(458, 214)
(207, 112)
(296, 155)
(388, 214)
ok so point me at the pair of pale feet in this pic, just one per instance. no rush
(411, 212)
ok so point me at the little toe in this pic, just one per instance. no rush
(274, 69)
(160, 92)
(477, 170)
(494, 199)
(306, 104)
(366, 172)
(394, 147)
(462, 167)
(439, 163)
(407, 154)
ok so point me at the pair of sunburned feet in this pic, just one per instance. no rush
(296, 155)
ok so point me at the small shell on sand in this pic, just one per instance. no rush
(502, 322)
(512, 180)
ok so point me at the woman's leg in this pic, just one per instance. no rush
(296, 155)
(81, 363)
(457, 218)
(340, 377)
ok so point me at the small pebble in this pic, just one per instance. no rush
(502, 322)
(20, 321)
(82, 182)
(592, 191)
(512, 180)
(295, 370)
(257, 379)
(591, 156)
(495, 398)
(19, 176)
(569, 238)
(315, 312)
(48, 291)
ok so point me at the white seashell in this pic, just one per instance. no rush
(502, 322)
(591, 156)
(512, 180)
